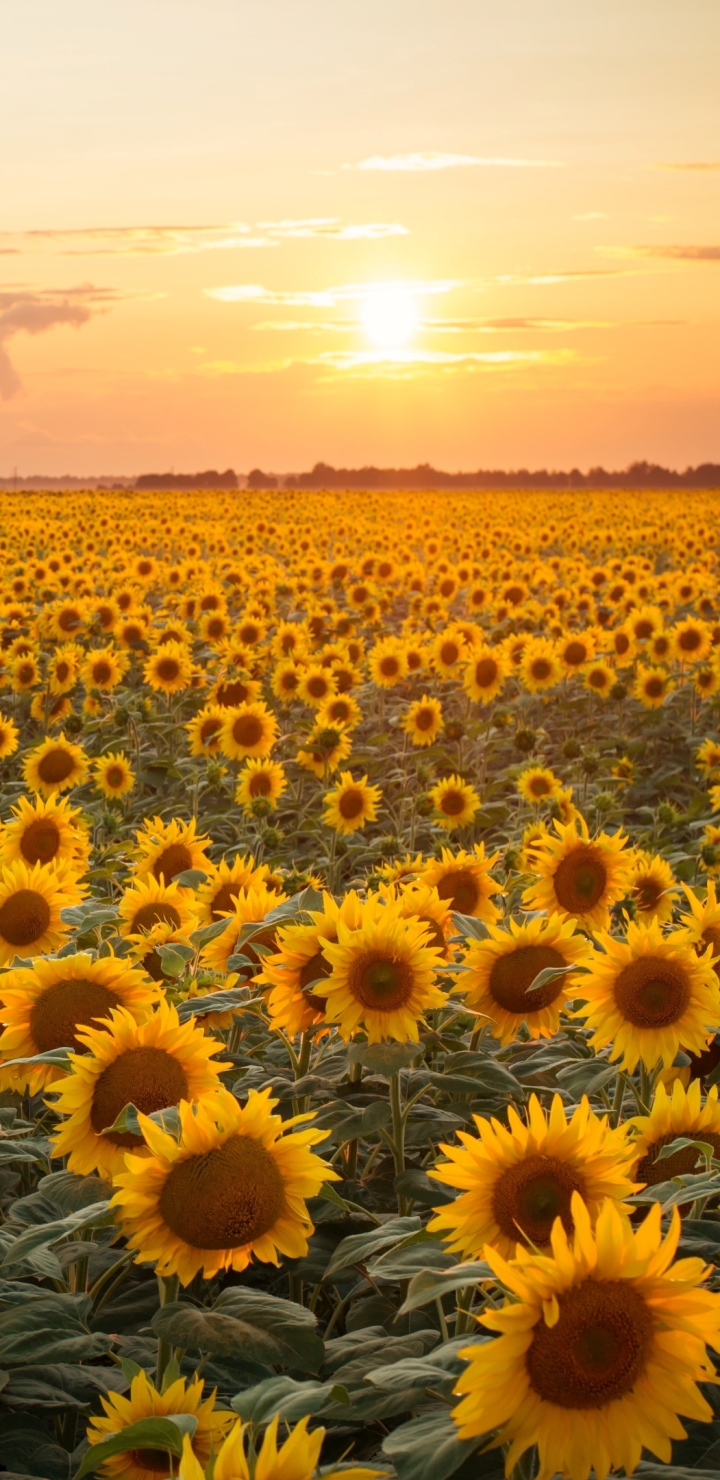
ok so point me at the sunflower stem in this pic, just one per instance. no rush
(168, 1287)
(619, 1096)
(398, 1136)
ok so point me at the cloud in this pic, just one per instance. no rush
(323, 297)
(691, 164)
(432, 159)
(173, 241)
(331, 227)
(680, 253)
(25, 312)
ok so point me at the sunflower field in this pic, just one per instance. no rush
(359, 986)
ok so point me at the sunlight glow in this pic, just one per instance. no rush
(389, 315)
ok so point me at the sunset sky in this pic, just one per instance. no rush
(268, 232)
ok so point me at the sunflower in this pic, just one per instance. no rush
(534, 837)
(24, 674)
(538, 784)
(231, 693)
(515, 1182)
(233, 1186)
(540, 667)
(165, 849)
(448, 650)
(148, 906)
(649, 996)
(455, 802)
(651, 886)
(219, 894)
(599, 678)
(204, 730)
(703, 922)
(300, 961)
(144, 1401)
(387, 663)
(31, 900)
(464, 880)
(260, 779)
(296, 1459)
(150, 1065)
(691, 640)
(63, 668)
(706, 680)
(401, 869)
(600, 1347)
(351, 804)
(707, 757)
(45, 832)
(285, 681)
(169, 670)
(679, 1114)
(113, 774)
(54, 766)
(250, 908)
(248, 730)
(44, 1006)
(422, 902)
(327, 748)
(579, 877)
(622, 646)
(383, 975)
(575, 650)
(423, 720)
(9, 737)
(340, 710)
(54, 711)
(504, 966)
(652, 686)
(316, 685)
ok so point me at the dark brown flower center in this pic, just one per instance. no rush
(167, 669)
(651, 1171)
(66, 1006)
(424, 719)
(247, 730)
(152, 1459)
(580, 880)
(56, 765)
(208, 729)
(654, 688)
(652, 992)
(529, 1196)
(460, 887)
(381, 982)
(313, 969)
(24, 918)
(225, 1198)
(40, 841)
(350, 804)
(232, 693)
(260, 784)
(148, 1078)
(174, 859)
(152, 914)
(512, 974)
(114, 777)
(598, 1348)
(575, 654)
(540, 669)
(711, 937)
(101, 672)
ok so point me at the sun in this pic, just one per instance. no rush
(389, 315)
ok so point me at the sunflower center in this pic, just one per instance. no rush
(66, 1006)
(224, 1198)
(152, 1459)
(153, 914)
(598, 1348)
(424, 719)
(229, 694)
(224, 901)
(24, 918)
(381, 983)
(209, 729)
(101, 672)
(711, 937)
(247, 730)
(40, 841)
(580, 880)
(168, 669)
(452, 803)
(173, 860)
(461, 888)
(530, 1195)
(654, 688)
(513, 973)
(540, 786)
(313, 969)
(435, 938)
(647, 894)
(449, 653)
(350, 804)
(114, 776)
(652, 992)
(56, 765)
(540, 669)
(575, 654)
(148, 1078)
(651, 1171)
(260, 784)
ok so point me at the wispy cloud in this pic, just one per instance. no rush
(591, 216)
(172, 241)
(680, 253)
(690, 164)
(324, 297)
(432, 159)
(331, 227)
(26, 312)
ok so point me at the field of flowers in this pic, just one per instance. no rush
(359, 986)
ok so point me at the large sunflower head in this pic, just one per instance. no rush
(418, 901)
(165, 849)
(423, 720)
(649, 996)
(248, 730)
(149, 908)
(30, 903)
(485, 672)
(504, 966)
(601, 1346)
(113, 775)
(150, 1065)
(250, 907)
(45, 1006)
(145, 1401)
(169, 670)
(579, 877)
(464, 880)
(55, 765)
(514, 1183)
(260, 780)
(679, 1113)
(383, 974)
(45, 832)
(233, 1186)
(351, 804)
(455, 802)
(295, 1459)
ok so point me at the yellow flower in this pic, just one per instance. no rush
(25, 674)
(113, 774)
(503, 967)
(9, 734)
(234, 1186)
(703, 922)
(351, 804)
(263, 779)
(485, 673)
(579, 877)
(649, 995)
(55, 765)
(165, 849)
(601, 1346)
(383, 975)
(423, 720)
(418, 901)
(300, 961)
(652, 886)
(538, 784)
(576, 650)
(679, 1114)
(691, 640)
(144, 1401)
(387, 663)
(464, 880)
(150, 1065)
(652, 685)
(45, 832)
(599, 678)
(249, 908)
(540, 667)
(44, 1007)
(204, 730)
(248, 730)
(316, 685)
(515, 1182)
(219, 894)
(296, 1459)
(30, 903)
(707, 757)
(455, 802)
(169, 670)
(448, 649)
(149, 904)
(326, 756)
(341, 710)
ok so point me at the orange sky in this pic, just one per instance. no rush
(266, 232)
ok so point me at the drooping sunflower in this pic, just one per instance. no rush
(296, 1459)
(649, 995)
(44, 1007)
(464, 880)
(233, 1186)
(485, 673)
(579, 877)
(540, 667)
(423, 720)
(113, 774)
(150, 1065)
(383, 975)
(503, 967)
(9, 737)
(351, 804)
(165, 849)
(260, 779)
(455, 802)
(54, 766)
(45, 832)
(680, 1113)
(538, 785)
(327, 747)
(601, 1346)
(652, 887)
(144, 1401)
(516, 1181)
(300, 961)
(248, 730)
(169, 670)
(30, 903)
(249, 908)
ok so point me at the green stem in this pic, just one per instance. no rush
(398, 1136)
(168, 1286)
(616, 1112)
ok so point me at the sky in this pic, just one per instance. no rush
(267, 234)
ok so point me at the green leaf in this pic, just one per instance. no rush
(207, 933)
(173, 964)
(58, 1386)
(220, 1335)
(49, 1233)
(384, 1059)
(428, 1448)
(429, 1285)
(190, 878)
(469, 927)
(360, 1247)
(165, 1434)
(291, 1326)
(199, 1007)
(680, 1143)
(284, 1396)
(549, 974)
(411, 1258)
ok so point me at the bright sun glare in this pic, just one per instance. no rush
(389, 315)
